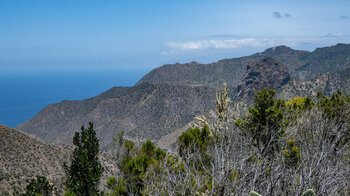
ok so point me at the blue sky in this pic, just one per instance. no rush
(140, 35)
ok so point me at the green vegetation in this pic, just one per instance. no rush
(39, 186)
(309, 192)
(85, 170)
(278, 148)
(194, 140)
(134, 162)
(253, 193)
(265, 122)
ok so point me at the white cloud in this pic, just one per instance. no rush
(177, 47)
(216, 44)
(260, 43)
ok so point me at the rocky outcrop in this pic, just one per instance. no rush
(215, 74)
(266, 73)
(302, 65)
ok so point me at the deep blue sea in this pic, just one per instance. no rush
(22, 95)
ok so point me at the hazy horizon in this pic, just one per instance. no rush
(39, 36)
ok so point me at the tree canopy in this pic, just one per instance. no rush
(84, 172)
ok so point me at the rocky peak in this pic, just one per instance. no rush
(265, 73)
(279, 49)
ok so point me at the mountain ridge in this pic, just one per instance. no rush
(156, 110)
(299, 62)
(128, 109)
(228, 70)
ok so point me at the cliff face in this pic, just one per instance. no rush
(266, 73)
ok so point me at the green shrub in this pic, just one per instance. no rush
(309, 192)
(39, 186)
(253, 193)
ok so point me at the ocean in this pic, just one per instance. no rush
(24, 94)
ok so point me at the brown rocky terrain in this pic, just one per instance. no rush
(215, 74)
(144, 111)
(265, 73)
(22, 157)
(326, 60)
(302, 65)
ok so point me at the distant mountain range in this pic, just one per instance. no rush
(162, 104)
(303, 65)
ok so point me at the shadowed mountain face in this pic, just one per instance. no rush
(166, 100)
(266, 73)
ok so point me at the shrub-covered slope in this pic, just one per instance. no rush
(143, 111)
(22, 157)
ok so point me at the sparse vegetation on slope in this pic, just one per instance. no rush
(278, 148)
(23, 157)
(145, 111)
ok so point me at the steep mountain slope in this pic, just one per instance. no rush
(286, 55)
(196, 74)
(22, 157)
(302, 65)
(146, 111)
(143, 111)
(325, 83)
(324, 60)
(214, 74)
(265, 73)
(270, 73)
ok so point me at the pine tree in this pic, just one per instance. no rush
(266, 121)
(83, 175)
